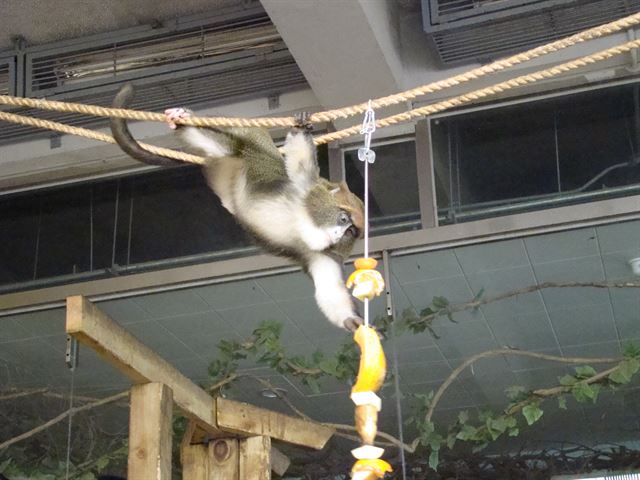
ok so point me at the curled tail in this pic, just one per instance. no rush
(123, 136)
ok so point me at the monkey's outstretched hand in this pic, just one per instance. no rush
(173, 114)
(352, 323)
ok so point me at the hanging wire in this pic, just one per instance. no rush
(70, 423)
(366, 155)
(394, 351)
(72, 363)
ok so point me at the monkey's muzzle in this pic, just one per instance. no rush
(354, 231)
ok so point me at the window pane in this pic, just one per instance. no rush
(176, 215)
(18, 237)
(536, 155)
(393, 185)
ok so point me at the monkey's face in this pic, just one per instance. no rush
(338, 211)
(353, 207)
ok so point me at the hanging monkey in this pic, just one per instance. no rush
(278, 198)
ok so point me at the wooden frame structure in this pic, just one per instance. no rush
(225, 440)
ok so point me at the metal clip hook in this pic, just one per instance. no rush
(368, 127)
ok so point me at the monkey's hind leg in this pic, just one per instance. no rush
(300, 161)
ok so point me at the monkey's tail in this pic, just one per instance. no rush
(123, 136)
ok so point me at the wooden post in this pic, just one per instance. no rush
(223, 459)
(150, 432)
(255, 458)
(195, 462)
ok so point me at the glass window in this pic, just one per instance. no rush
(107, 224)
(534, 155)
(393, 185)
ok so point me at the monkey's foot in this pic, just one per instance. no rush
(173, 114)
(303, 121)
(352, 323)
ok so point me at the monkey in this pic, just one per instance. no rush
(279, 199)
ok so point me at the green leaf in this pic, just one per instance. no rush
(313, 384)
(467, 432)
(515, 392)
(479, 447)
(329, 366)
(479, 295)
(562, 403)
(625, 371)
(463, 417)
(434, 459)
(585, 371)
(514, 432)
(631, 350)
(532, 413)
(498, 424)
(102, 462)
(567, 380)
(440, 302)
(451, 441)
(4, 465)
(583, 392)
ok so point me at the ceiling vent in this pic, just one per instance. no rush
(198, 63)
(465, 31)
(7, 75)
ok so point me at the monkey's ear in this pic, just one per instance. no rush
(342, 187)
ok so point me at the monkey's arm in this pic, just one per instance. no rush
(331, 294)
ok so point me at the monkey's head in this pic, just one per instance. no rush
(352, 206)
(338, 211)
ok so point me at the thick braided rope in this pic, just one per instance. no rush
(355, 130)
(95, 110)
(499, 65)
(272, 122)
(101, 137)
(485, 92)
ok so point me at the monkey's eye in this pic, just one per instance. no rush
(343, 218)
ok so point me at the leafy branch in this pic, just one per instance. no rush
(265, 347)
(61, 417)
(584, 385)
(440, 306)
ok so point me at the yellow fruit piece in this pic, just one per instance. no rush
(370, 469)
(373, 364)
(366, 263)
(368, 284)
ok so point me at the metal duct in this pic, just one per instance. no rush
(7, 75)
(464, 31)
(198, 63)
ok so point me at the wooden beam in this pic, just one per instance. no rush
(245, 419)
(150, 432)
(255, 458)
(141, 364)
(223, 459)
(217, 417)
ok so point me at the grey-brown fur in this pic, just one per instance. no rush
(279, 198)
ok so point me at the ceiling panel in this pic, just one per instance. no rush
(530, 331)
(584, 324)
(492, 256)
(619, 236)
(562, 245)
(425, 266)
